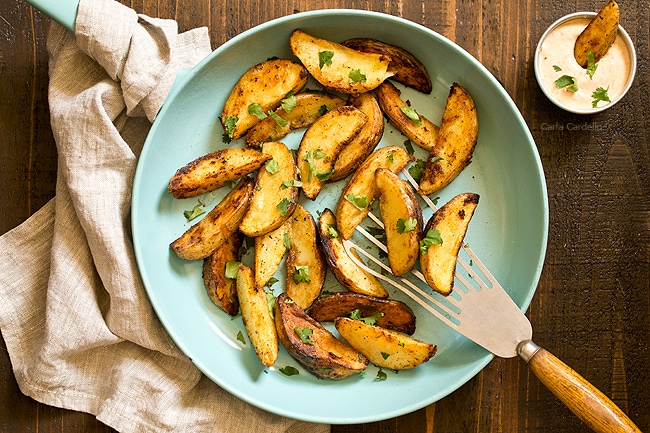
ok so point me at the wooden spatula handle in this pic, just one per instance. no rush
(590, 405)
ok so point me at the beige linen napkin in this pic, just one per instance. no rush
(78, 325)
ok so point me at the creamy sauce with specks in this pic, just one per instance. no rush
(557, 50)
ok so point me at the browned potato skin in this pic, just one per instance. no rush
(362, 183)
(353, 154)
(384, 347)
(210, 233)
(337, 76)
(262, 215)
(222, 290)
(396, 314)
(214, 170)
(269, 252)
(309, 107)
(329, 134)
(328, 357)
(599, 35)
(425, 135)
(406, 68)
(398, 200)
(346, 271)
(456, 142)
(266, 83)
(305, 251)
(439, 263)
(256, 316)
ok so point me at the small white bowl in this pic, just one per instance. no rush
(548, 87)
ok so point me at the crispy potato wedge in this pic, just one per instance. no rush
(422, 132)
(353, 153)
(346, 70)
(599, 35)
(404, 66)
(266, 84)
(383, 347)
(214, 170)
(438, 262)
(256, 315)
(274, 196)
(270, 249)
(318, 351)
(362, 187)
(306, 266)
(347, 272)
(309, 107)
(403, 222)
(456, 142)
(322, 143)
(204, 237)
(396, 315)
(223, 290)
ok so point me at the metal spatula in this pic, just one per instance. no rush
(489, 317)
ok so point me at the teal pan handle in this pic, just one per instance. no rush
(63, 12)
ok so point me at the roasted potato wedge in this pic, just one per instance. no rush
(344, 70)
(266, 84)
(456, 142)
(270, 249)
(275, 194)
(599, 35)
(306, 266)
(348, 273)
(361, 190)
(313, 346)
(309, 107)
(383, 347)
(404, 66)
(420, 131)
(223, 290)
(256, 315)
(214, 170)
(395, 315)
(403, 222)
(210, 233)
(353, 153)
(438, 261)
(322, 143)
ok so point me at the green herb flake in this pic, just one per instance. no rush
(567, 83)
(287, 241)
(331, 231)
(305, 335)
(325, 175)
(256, 110)
(311, 158)
(385, 355)
(322, 110)
(325, 58)
(195, 212)
(356, 76)
(283, 206)
(290, 183)
(271, 281)
(289, 103)
(278, 119)
(600, 94)
(270, 301)
(232, 267)
(240, 337)
(359, 202)
(289, 370)
(409, 147)
(229, 125)
(272, 166)
(406, 225)
(301, 275)
(591, 65)
(370, 320)
(556, 68)
(417, 169)
(432, 238)
(381, 376)
(411, 114)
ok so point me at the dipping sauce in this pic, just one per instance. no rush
(555, 59)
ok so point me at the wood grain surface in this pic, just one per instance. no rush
(592, 305)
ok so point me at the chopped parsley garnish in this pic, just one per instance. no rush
(229, 125)
(272, 166)
(232, 267)
(310, 157)
(270, 301)
(322, 110)
(301, 275)
(325, 175)
(289, 103)
(325, 58)
(283, 206)
(381, 376)
(591, 64)
(289, 371)
(331, 231)
(305, 335)
(556, 68)
(271, 281)
(411, 114)
(599, 94)
(567, 83)
(370, 320)
(406, 225)
(356, 76)
(409, 147)
(287, 241)
(432, 238)
(278, 119)
(417, 169)
(385, 355)
(357, 201)
(240, 337)
(195, 212)
(256, 110)
(289, 183)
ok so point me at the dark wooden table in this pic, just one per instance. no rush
(592, 306)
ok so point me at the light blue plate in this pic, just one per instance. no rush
(508, 231)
